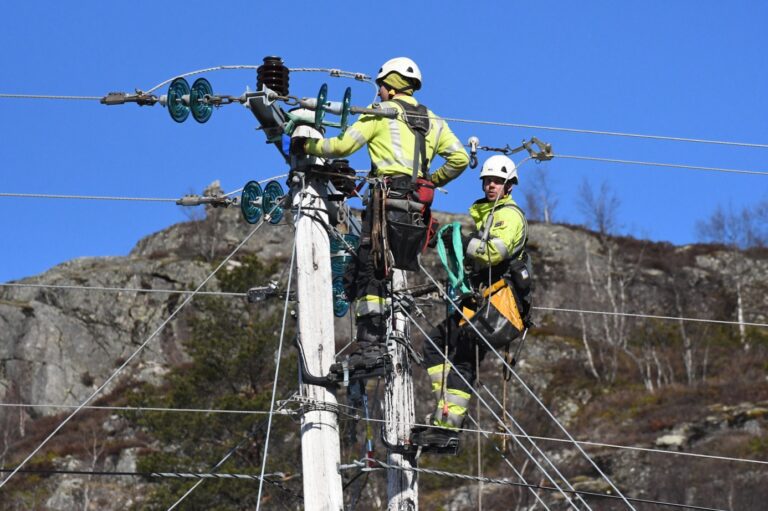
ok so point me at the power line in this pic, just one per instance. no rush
(659, 164)
(493, 413)
(243, 295)
(652, 316)
(41, 96)
(466, 477)
(583, 442)
(597, 132)
(147, 409)
(129, 359)
(176, 475)
(523, 384)
(83, 197)
(366, 78)
(278, 356)
(122, 289)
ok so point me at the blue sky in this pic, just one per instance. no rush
(680, 68)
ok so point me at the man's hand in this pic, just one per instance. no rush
(297, 145)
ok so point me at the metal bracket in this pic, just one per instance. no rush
(542, 153)
(219, 201)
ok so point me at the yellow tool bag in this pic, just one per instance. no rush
(498, 319)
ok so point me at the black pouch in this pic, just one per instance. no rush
(406, 240)
(520, 276)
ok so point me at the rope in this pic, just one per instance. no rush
(41, 96)
(83, 197)
(146, 409)
(176, 475)
(527, 389)
(490, 480)
(129, 359)
(658, 164)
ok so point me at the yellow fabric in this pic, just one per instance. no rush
(450, 415)
(391, 144)
(505, 303)
(503, 300)
(398, 83)
(436, 375)
(508, 226)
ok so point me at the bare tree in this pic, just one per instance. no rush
(743, 229)
(599, 210)
(540, 198)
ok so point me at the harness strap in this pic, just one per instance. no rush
(418, 125)
(457, 278)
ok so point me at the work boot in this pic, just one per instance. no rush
(368, 354)
(367, 360)
(371, 331)
(435, 439)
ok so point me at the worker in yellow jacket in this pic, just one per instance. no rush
(401, 151)
(500, 277)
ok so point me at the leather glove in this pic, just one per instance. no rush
(297, 145)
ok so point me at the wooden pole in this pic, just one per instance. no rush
(320, 449)
(402, 486)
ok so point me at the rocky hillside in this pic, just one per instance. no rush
(653, 383)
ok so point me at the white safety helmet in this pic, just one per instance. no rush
(402, 66)
(500, 166)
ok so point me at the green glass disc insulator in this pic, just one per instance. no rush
(176, 107)
(322, 96)
(346, 104)
(250, 202)
(200, 111)
(273, 194)
(340, 300)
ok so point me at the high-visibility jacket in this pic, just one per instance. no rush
(391, 144)
(506, 235)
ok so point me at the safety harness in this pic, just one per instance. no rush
(417, 120)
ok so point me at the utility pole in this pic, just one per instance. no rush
(320, 448)
(399, 414)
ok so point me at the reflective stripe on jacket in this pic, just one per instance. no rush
(391, 144)
(504, 236)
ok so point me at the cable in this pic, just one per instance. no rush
(522, 383)
(597, 132)
(652, 316)
(365, 78)
(658, 164)
(278, 356)
(177, 475)
(41, 96)
(129, 359)
(243, 295)
(83, 197)
(465, 477)
(581, 442)
(466, 430)
(495, 416)
(122, 289)
(146, 409)
(509, 463)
